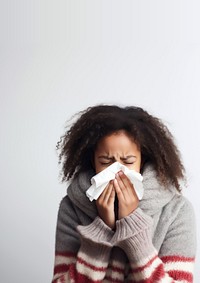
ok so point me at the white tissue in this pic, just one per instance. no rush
(100, 180)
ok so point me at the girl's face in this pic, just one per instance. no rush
(117, 147)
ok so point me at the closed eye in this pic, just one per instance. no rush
(106, 163)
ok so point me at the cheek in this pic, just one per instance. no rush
(97, 166)
(137, 168)
(100, 168)
(97, 169)
(137, 165)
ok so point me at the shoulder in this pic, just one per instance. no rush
(66, 211)
(181, 233)
(67, 221)
(184, 225)
(186, 214)
(187, 206)
(183, 206)
(65, 203)
(180, 210)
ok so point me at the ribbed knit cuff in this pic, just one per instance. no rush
(96, 239)
(133, 235)
(97, 232)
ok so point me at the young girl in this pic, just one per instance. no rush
(147, 240)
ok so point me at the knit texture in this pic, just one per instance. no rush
(155, 243)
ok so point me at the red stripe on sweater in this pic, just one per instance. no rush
(181, 275)
(165, 259)
(65, 269)
(61, 279)
(61, 268)
(74, 275)
(80, 277)
(82, 261)
(156, 276)
(141, 268)
(174, 258)
(116, 269)
(66, 254)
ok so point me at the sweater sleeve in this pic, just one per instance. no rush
(82, 252)
(172, 264)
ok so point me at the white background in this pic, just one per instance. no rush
(59, 57)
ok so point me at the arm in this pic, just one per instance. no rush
(175, 261)
(82, 252)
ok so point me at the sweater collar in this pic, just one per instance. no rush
(155, 197)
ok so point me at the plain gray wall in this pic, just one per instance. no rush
(59, 57)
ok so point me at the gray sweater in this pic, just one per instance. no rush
(156, 242)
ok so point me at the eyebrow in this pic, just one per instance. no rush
(127, 157)
(110, 158)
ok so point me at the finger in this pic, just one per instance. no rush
(125, 180)
(107, 192)
(111, 198)
(126, 185)
(118, 190)
(102, 195)
(120, 184)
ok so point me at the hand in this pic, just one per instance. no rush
(127, 198)
(105, 205)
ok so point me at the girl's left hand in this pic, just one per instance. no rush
(127, 198)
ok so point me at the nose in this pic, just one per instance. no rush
(115, 159)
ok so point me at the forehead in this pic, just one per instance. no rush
(116, 141)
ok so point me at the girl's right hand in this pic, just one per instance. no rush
(105, 205)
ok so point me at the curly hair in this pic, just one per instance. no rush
(77, 145)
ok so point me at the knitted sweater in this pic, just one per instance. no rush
(155, 243)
